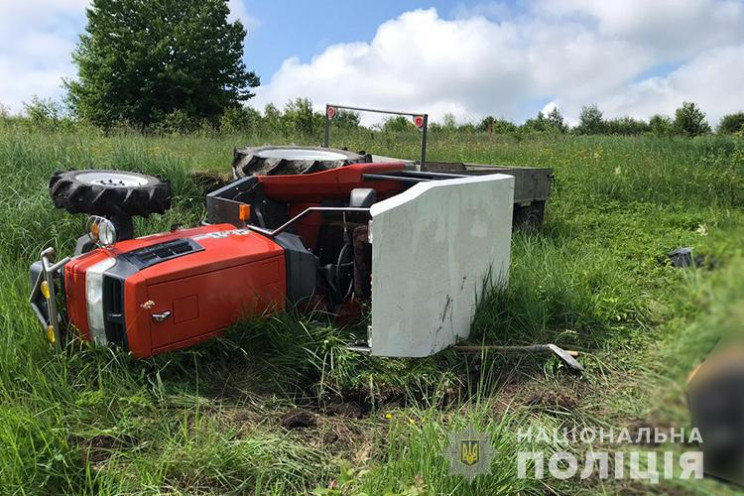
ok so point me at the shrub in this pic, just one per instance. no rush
(300, 117)
(496, 125)
(346, 119)
(272, 119)
(689, 120)
(398, 124)
(240, 119)
(731, 123)
(590, 121)
(626, 126)
(176, 122)
(556, 121)
(661, 125)
(553, 122)
(42, 112)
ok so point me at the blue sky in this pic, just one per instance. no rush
(469, 58)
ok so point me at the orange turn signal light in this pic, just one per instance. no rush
(245, 213)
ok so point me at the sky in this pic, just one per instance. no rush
(469, 58)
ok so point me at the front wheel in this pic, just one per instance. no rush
(109, 193)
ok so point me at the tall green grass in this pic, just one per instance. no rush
(204, 421)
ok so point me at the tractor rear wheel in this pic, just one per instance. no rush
(109, 193)
(273, 160)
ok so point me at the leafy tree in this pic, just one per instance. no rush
(590, 121)
(346, 119)
(42, 111)
(175, 122)
(143, 60)
(496, 125)
(661, 125)
(732, 123)
(300, 117)
(46, 113)
(690, 120)
(553, 122)
(240, 119)
(556, 121)
(272, 118)
(398, 124)
(626, 126)
(486, 125)
(538, 124)
(449, 122)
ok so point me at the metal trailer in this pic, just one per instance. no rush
(532, 185)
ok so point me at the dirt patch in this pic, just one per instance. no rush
(639, 432)
(344, 409)
(96, 451)
(298, 419)
(553, 400)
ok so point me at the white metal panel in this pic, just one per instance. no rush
(432, 247)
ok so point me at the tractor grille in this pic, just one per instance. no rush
(113, 311)
(151, 255)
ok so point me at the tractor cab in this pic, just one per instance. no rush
(322, 218)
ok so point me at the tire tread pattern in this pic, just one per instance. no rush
(97, 199)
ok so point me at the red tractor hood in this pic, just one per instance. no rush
(203, 279)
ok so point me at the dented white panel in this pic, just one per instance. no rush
(432, 247)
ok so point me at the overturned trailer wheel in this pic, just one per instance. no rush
(272, 160)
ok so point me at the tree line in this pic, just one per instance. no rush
(298, 118)
(688, 120)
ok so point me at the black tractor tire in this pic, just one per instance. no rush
(275, 160)
(109, 193)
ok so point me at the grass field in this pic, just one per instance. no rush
(207, 420)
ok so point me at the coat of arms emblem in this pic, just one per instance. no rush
(469, 453)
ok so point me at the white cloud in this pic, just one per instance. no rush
(239, 11)
(489, 61)
(675, 28)
(711, 79)
(37, 38)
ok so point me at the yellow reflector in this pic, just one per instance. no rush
(45, 289)
(50, 334)
(94, 230)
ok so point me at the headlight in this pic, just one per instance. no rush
(101, 231)
(94, 299)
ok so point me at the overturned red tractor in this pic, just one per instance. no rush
(319, 231)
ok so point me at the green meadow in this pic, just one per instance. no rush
(208, 420)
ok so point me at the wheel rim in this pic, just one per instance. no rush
(302, 154)
(112, 179)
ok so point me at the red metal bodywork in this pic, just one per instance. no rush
(239, 274)
(310, 190)
(333, 184)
